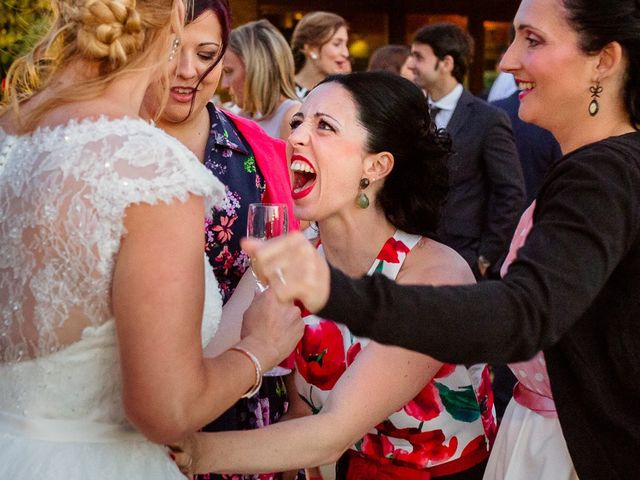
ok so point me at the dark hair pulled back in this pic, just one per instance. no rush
(600, 22)
(395, 115)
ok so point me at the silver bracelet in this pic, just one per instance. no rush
(257, 366)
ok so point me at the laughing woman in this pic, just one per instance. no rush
(375, 186)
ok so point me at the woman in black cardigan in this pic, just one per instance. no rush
(572, 290)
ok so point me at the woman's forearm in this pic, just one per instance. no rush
(298, 443)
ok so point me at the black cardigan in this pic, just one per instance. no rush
(573, 291)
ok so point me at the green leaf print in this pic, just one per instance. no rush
(379, 267)
(461, 404)
(250, 164)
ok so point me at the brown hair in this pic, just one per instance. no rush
(316, 29)
(389, 58)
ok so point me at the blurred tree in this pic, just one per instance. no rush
(22, 23)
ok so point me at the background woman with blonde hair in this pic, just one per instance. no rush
(101, 344)
(258, 71)
(319, 45)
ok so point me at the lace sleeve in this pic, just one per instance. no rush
(151, 167)
(63, 195)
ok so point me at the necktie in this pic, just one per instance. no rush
(433, 111)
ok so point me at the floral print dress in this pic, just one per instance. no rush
(450, 418)
(229, 156)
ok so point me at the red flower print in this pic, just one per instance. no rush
(446, 370)
(303, 310)
(485, 400)
(224, 228)
(426, 405)
(226, 258)
(426, 446)
(390, 250)
(320, 357)
(377, 446)
(353, 352)
(478, 443)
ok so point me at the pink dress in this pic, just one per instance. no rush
(530, 444)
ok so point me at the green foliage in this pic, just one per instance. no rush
(22, 23)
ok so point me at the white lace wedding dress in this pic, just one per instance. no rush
(63, 193)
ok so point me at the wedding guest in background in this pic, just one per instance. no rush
(258, 71)
(319, 46)
(565, 313)
(102, 331)
(375, 186)
(251, 165)
(537, 148)
(392, 58)
(486, 187)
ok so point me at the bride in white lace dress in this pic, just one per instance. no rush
(105, 303)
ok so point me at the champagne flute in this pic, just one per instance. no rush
(265, 221)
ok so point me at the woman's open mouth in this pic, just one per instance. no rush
(304, 177)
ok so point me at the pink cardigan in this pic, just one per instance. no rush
(271, 157)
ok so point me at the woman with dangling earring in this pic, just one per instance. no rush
(375, 187)
(319, 46)
(565, 314)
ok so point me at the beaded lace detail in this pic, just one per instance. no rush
(63, 193)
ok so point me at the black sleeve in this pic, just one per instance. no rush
(586, 219)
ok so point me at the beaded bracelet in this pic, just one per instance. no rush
(258, 367)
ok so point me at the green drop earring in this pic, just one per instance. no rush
(362, 200)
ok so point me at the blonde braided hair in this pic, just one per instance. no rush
(110, 34)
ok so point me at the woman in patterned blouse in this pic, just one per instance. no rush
(250, 164)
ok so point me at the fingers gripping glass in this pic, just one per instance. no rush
(265, 221)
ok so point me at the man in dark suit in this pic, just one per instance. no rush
(537, 147)
(486, 193)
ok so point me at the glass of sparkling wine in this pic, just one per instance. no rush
(265, 221)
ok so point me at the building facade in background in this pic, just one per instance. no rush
(375, 23)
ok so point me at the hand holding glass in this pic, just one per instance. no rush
(265, 221)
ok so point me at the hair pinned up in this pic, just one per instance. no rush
(112, 36)
(415, 190)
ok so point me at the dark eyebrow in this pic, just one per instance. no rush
(320, 114)
(524, 26)
(316, 115)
